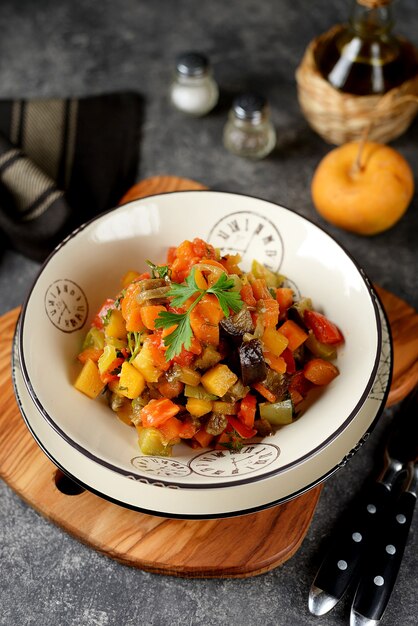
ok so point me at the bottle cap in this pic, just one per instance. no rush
(192, 64)
(250, 106)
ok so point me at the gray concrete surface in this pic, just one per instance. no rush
(57, 48)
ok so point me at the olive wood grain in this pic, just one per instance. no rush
(238, 547)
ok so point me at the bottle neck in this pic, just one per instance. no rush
(370, 21)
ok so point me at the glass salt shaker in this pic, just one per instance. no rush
(194, 90)
(249, 131)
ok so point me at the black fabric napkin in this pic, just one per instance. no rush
(62, 161)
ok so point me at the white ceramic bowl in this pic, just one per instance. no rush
(84, 437)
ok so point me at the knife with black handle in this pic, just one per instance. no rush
(384, 560)
(341, 565)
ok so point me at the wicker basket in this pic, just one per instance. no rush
(340, 117)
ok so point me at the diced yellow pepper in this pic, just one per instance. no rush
(218, 379)
(107, 358)
(197, 407)
(116, 326)
(88, 381)
(274, 341)
(145, 364)
(131, 381)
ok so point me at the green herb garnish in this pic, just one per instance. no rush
(159, 271)
(182, 335)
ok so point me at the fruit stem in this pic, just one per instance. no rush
(357, 165)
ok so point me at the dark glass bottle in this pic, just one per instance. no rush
(364, 57)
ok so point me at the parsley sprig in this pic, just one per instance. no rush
(182, 335)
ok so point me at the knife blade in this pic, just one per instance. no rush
(385, 558)
(341, 564)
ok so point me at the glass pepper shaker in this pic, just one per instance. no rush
(249, 131)
(193, 90)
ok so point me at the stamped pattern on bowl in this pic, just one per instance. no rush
(66, 305)
(245, 231)
(160, 466)
(222, 463)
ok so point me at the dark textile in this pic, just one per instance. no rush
(62, 162)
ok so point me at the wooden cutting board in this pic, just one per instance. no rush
(236, 547)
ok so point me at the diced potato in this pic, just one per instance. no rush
(189, 376)
(88, 381)
(197, 407)
(218, 379)
(131, 381)
(116, 326)
(225, 408)
(129, 277)
(274, 341)
(107, 358)
(145, 364)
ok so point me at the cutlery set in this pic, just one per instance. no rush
(367, 548)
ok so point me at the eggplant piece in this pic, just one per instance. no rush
(252, 364)
(297, 310)
(234, 327)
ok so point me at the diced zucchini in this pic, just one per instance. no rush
(198, 392)
(88, 381)
(94, 339)
(278, 413)
(209, 357)
(151, 442)
(323, 350)
(272, 279)
(131, 381)
(107, 358)
(218, 379)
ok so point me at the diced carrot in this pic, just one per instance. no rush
(260, 289)
(284, 297)
(171, 429)
(131, 309)
(222, 439)
(203, 438)
(149, 314)
(277, 363)
(320, 372)
(295, 334)
(156, 412)
(266, 393)
(269, 310)
(90, 353)
(205, 318)
(247, 410)
(170, 389)
(171, 254)
(157, 350)
(247, 295)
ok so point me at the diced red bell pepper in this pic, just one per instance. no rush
(242, 429)
(324, 330)
(247, 410)
(289, 359)
(108, 304)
